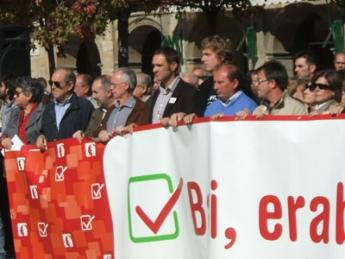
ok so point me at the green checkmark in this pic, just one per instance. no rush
(164, 179)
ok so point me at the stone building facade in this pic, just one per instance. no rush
(282, 28)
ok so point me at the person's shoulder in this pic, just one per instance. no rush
(41, 107)
(208, 82)
(183, 83)
(293, 101)
(82, 101)
(48, 106)
(138, 101)
(186, 87)
(295, 104)
(244, 96)
(213, 108)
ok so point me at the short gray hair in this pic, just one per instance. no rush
(144, 79)
(127, 76)
(105, 82)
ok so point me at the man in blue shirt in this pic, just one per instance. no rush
(230, 99)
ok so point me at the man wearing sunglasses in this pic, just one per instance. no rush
(67, 113)
(271, 88)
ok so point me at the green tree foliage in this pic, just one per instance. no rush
(52, 22)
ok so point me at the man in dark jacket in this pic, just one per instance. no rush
(67, 113)
(174, 95)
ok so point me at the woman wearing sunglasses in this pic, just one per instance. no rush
(26, 120)
(323, 93)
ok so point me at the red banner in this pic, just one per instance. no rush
(59, 203)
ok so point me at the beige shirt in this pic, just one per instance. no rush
(286, 106)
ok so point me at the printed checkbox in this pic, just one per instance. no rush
(151, 203)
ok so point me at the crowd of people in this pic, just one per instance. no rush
(76, 105)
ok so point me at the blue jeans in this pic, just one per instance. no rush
(2, 241)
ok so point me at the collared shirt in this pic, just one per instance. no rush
(231, 99)
(120, 114)
(325, 106)
(60, 109)
(163, 99)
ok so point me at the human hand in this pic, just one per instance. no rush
(176, 118)
(217, 116)
(6, 143)
(103, 136)
(78, 135)
(124, 130)
(260, 111)
(242, 115)
(41, 143)
(165, 121)
(188, 119)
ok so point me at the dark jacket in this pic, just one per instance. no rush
(206, 95)
(186, 100)
(95, 123)
(33, 127)
(75, 118)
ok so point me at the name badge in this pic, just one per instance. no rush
(172, 100)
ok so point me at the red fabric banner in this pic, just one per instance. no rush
(59, 203)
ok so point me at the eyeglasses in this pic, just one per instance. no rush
(312, 87)
(259, 82)
(115, 84)
(56, 84)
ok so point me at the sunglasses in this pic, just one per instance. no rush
(56, 84)
(312, 87)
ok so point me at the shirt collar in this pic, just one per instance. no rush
(67, 100)
(130, 103)
(278, 105)
(231, 99)
(324, 104)
(171, 87)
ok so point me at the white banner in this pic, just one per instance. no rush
(230, 189)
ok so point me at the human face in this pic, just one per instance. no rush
(322, 95)
(102, 96)
(210, 59)
(162, 70)
(118, 87)
(224, 87)
(309, 97)
(263, 85)
(254, 83)
(139, 91)
(80, 89)
(339, 62)
(156, 84)
(60, 89)
(302, 69)
(21, 99)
